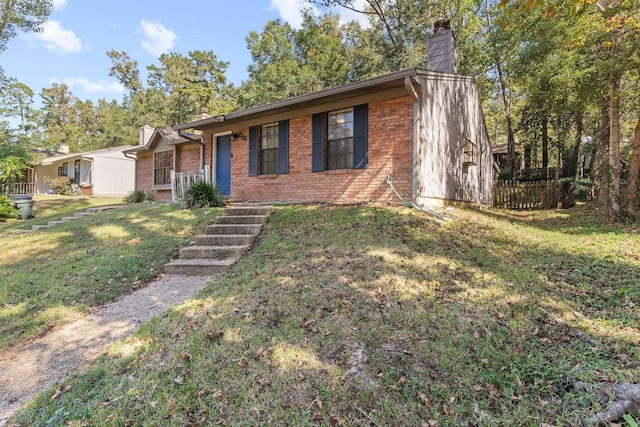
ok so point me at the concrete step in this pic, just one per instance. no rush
(211, 252)
(82, 214)
(39, 227)
(252, 229)
(246, 210)
(52, 223)
(198, 267)
(69, 218)
(242, 219)
(24, 231)
(102, 208)
(224, 239)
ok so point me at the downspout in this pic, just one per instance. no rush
(135, 168)
(410, 84)
(414, 89)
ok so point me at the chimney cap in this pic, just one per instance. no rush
(442, 24)
(204, 110)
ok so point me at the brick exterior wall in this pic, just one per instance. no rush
(390, 152)
(187, 160)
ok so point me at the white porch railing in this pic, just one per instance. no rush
(19, 188)
(181, 181)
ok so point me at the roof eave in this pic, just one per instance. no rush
(311, 98)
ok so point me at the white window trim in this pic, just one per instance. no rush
(153, 168)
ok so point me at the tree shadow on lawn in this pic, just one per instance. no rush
(591, 220)
(373, 316)
(457, 307)
(58, 273)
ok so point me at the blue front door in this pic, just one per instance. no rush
(223, 165)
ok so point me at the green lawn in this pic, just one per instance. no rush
(52, 276)
(380, 316)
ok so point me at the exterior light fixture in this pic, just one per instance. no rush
(238, 135)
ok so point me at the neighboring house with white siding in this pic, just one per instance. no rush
(105, 172)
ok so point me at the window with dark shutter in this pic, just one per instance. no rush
(269, 149)
(339, 139)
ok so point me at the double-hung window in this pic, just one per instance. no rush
(269, 149)
(162, 165)
(339, 139)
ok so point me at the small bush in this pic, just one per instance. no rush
(60, 185)
(7, 209)
(202, 195)
(136, 196)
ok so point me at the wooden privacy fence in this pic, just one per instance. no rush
(533, 194)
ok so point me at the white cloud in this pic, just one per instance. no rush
(291, 10)
(89, 86)
(347, 15)
(59, 4)
(58, 39)
(157, 38)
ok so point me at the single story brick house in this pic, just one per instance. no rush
(423, 131)
(161, 153)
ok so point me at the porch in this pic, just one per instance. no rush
(18, 188)
(181, 181)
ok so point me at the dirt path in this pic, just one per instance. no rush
(27, 370)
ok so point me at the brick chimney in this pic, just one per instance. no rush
(63, 148)
(441, 48)
(145, 133)
(202, 114)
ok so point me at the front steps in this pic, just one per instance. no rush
(222, 243)
(77, 215)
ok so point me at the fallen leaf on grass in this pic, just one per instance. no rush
(423, 397)
(179, 380)
(56, 394)
(316, 402)
(214, 336)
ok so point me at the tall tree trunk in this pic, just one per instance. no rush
(601, 161)
(511, 141)
(574, 168)
(545, 144)
(634, 173)
(614, 150)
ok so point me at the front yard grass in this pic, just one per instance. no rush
(379, 316)
(53, 276)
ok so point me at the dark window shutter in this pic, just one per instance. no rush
(360, 131)
(317, 142)
(283, 146)
(253, 151)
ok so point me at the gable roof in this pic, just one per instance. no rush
(168, 135)
(104, 152)
(388, 82)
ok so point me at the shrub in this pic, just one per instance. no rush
(136, 196)
(202, 195)
(60, 185)
(7, 209)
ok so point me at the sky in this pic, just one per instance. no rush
(72, 47)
